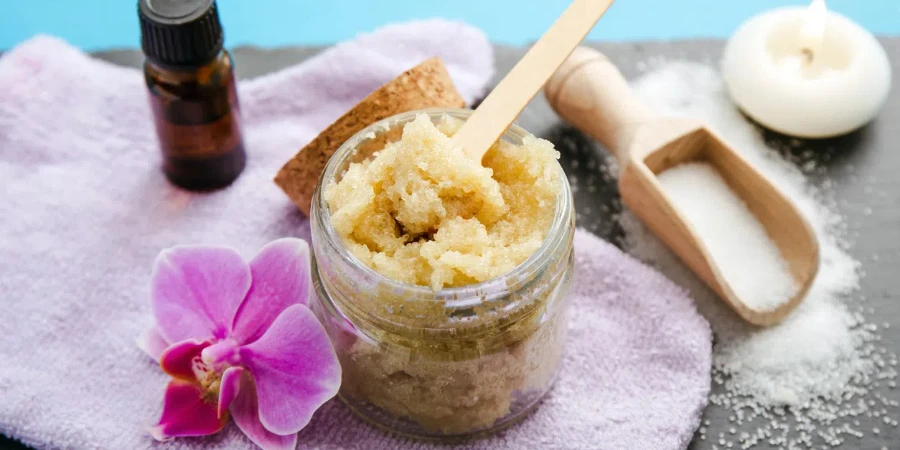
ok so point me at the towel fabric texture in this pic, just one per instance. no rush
(85, 209)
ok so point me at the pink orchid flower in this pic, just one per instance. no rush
(238, 337)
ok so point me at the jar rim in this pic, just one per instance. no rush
(451, 297)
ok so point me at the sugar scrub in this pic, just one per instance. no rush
(813, 380)
(423, 213)
(459, 329)
(735, 239)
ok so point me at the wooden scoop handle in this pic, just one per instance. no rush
(589, 92)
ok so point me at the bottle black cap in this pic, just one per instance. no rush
(180, 33)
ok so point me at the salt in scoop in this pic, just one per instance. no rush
(590, 93)
(501, 107)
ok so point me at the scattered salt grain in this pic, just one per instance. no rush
(735, 239)
(801, 383)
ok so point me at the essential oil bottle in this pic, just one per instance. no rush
(192, 90)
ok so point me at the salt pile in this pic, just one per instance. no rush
(732, 235)
(811, 381)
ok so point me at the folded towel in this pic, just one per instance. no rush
(85, 209)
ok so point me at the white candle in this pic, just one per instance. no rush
(806, 72)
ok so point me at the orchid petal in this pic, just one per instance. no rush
(245, 412)
(280, 279)
(185, 413)
(152, 343)
(178, 359)
(295, 368)
(229, 388)
(196, 291)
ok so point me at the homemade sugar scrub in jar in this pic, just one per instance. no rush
(443, 283)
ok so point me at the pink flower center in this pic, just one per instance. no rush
(211, 363)
(209, 378)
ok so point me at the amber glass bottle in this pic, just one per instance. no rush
(190, 79)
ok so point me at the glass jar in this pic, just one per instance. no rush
(450, 363)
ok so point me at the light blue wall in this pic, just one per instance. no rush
(113, 23)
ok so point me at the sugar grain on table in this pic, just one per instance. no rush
(748, 259)
(820, 379)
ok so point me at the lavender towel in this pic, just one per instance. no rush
(85, 209)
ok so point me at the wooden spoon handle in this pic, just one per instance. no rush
(524, 81)
(589, 92)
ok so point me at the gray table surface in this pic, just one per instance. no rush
(873, 152)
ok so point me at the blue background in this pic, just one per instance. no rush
(103, 24)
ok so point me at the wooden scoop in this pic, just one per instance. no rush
(590, 93)
(523, 82)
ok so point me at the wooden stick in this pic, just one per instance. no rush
(523, 82)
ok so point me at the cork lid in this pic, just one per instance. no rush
(427, 85)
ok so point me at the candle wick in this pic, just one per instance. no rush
(808, 54)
